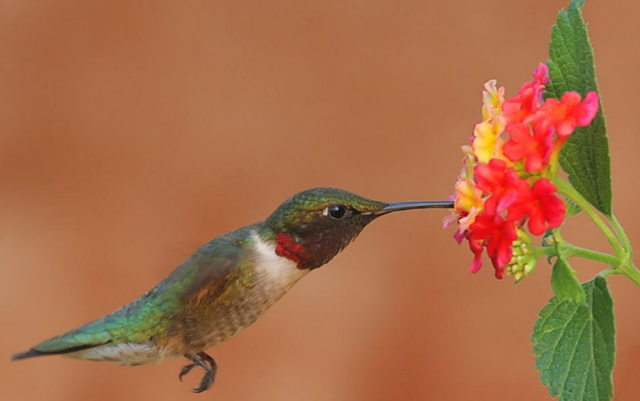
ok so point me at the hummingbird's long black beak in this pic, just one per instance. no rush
(398, 206)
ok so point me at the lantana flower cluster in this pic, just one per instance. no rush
(505, 186)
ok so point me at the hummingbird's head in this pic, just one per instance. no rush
(314, 225)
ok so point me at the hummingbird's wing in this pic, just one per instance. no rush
(209, 268)
(215, 279)
(159, 313)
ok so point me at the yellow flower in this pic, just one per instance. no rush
(467, 197)
(468, 203)
(487, 143)
(493, 98)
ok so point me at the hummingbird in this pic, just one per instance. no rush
(226, 285)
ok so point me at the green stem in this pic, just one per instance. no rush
(632, 273)
(558, 236)
(619, 265)
(569, 191)
(628, 268)
(537, 252)
(569, 250)
(621, 234)
(612, 260)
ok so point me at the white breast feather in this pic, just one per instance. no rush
(279, 270)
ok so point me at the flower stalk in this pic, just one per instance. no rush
(569, 191)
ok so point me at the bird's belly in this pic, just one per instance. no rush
(121, 353)
(232, 318)
(228, 316)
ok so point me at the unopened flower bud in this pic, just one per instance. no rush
(522, 263)
(529, 267)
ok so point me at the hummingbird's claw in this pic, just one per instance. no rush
(205, 362)
(186, 370)
(206, 382)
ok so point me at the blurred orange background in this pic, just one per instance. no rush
(133, 133)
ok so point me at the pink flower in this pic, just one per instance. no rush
(477, 248)
(522, 108)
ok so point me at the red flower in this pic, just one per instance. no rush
(503, 184)
(542, 205)
(568, 112)
(535, 148)
(498, 235)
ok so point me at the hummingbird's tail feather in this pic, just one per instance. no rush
(27, 354)
(88, 336)
(33, 352)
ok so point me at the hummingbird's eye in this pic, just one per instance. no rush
(337, 212)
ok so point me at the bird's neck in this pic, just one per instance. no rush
(286, 246)
(270, 261)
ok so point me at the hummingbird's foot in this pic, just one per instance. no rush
(205, 362)
(186, 370)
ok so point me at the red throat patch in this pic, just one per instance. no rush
(286, 246)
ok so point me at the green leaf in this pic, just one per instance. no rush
(575, 345)
(585, 156)
(565, 284)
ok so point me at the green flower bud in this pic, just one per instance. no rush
(522, 263)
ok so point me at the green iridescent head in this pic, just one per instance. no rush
(314, 225)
